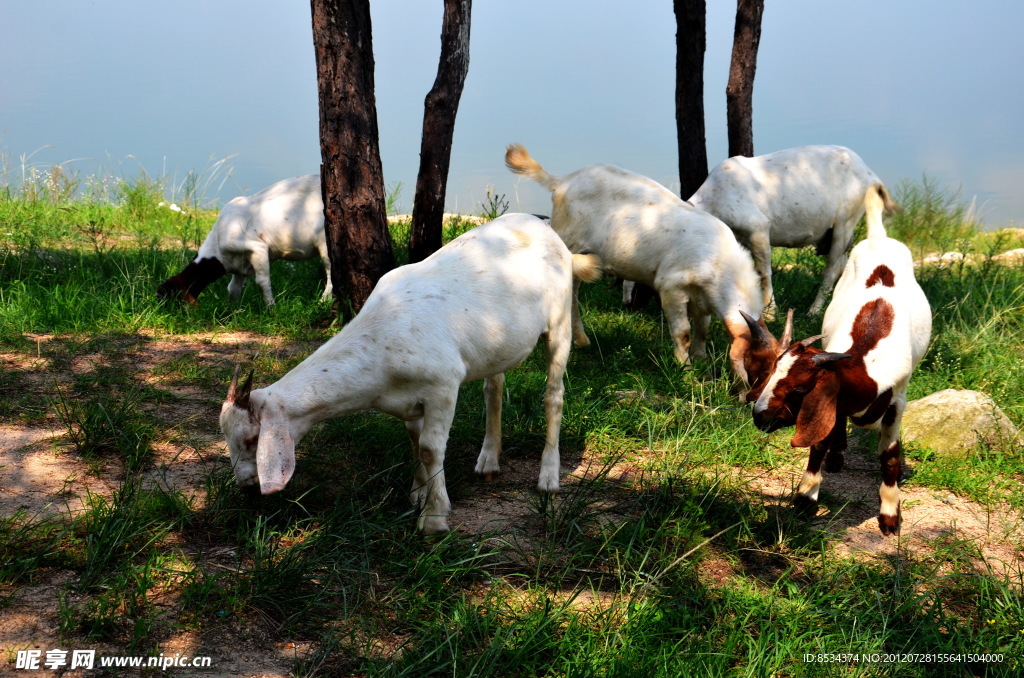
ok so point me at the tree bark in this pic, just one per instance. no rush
(352, 179)
(739, 93)
(691, 43)
(440, 109)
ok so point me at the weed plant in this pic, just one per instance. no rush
(494, 205)
(658, 558)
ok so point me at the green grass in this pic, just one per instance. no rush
(681, 568)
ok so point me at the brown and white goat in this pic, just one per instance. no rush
(283, 221)
(642, 231)
(876, 331)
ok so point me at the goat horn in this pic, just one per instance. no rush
(825, 358)
(240, 396)
(758, 333)
(787, 332)
(806, 343)
(243, 399)
(233, 388)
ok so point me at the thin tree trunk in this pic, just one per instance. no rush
(440, 109)
(352, 179)
(739, 93)
(691, 43)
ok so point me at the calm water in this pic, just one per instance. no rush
(121, 87)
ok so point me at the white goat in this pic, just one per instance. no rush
(283, 221)
(876, 330)
(812, 195)
(642, 231)
(471, 310)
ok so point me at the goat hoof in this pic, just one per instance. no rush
(250, 492)
(834, 462)
(889, 525)
(805, 506)
(489, 476)
(548, 484)
(433, 525)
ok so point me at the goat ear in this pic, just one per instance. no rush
(787, 333)
(275, 451)
(817, 415)
(240, 396)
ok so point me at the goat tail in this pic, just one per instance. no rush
(876, 203)
(890, 204)
(520, 162)
(586, 267)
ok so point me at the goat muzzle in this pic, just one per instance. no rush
(769, 421)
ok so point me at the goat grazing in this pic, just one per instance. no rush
(472, 310)
(283, 221)
(812, 195)
(876, 328)
(643, 232)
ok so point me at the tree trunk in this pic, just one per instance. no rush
(739, 93)
(691, 43)
(352, 179)
(440, 109)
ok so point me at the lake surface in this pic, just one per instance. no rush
(120, 88)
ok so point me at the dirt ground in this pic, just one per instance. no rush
(928, 515)
(39, 475)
